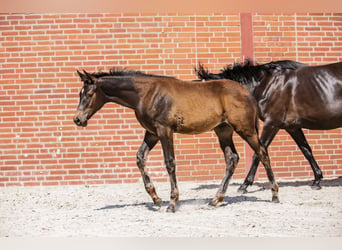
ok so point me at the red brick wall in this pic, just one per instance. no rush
(39, 55)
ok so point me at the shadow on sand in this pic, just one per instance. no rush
(336, 182)
(228, 199)
(187, 202)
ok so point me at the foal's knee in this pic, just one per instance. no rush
(231, 156)
(170, 165)
(235, 158)
(140, 159)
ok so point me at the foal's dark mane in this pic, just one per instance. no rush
(124, 72)
(246, 72)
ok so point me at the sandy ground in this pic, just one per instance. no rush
(126, 210)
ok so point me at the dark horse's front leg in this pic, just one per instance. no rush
(267, 136)
(166, 139)
(149, 142)
(299, 137)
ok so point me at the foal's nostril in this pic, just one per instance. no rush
(77, 121)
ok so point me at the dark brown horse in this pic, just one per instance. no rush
(165, 105)
(290, 96)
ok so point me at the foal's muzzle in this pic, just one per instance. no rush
(79, 122)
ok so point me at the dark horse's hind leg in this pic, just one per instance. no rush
(266, 138)
(224, 133)
(299, 137)
(149, 142)
(267, 135)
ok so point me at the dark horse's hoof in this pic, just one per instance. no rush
(243, 189)
(316, 186)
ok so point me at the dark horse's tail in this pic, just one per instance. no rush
(203, 74)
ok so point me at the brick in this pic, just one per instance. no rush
(39, 86)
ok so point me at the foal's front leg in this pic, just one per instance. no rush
(166, 139)
(224, 133)
(149, 142)
(232, 159)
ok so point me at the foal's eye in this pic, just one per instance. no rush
(90, 95)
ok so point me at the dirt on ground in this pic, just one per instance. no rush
(126, 210)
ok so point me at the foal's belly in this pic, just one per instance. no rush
(195, 123)
(196, 116)
(181, 121)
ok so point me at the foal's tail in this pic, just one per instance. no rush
(253, 103)
(256, 122)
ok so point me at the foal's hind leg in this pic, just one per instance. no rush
(262, 154)
(149, 142)
(224, 133)
(267, 135)
(166, 138)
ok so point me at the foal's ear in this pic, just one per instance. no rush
(86, 77)
(90, 78)
(83, 77)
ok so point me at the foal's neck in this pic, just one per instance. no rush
(120, 90)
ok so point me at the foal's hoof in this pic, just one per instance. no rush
(213, 203)
(216, 201)
(243, 189)
(275, 199)
(158, 202)
(171, 208)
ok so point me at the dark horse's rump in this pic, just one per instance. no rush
(165, 105)
(290, 96)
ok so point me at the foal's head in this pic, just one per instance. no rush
(90, 99)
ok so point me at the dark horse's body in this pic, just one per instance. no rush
(290, 96)
(165, 105)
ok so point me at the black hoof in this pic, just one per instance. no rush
(243, 189)
(316, 186)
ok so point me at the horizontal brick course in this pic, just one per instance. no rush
(39, 55)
